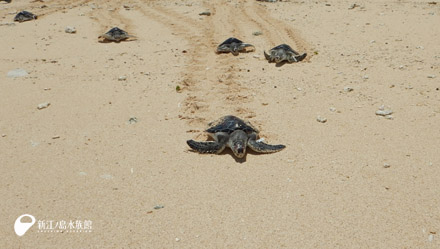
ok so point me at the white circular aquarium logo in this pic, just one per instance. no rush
(22, 227)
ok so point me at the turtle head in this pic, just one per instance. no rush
(235, 48)
(278, 57)
(238, 143)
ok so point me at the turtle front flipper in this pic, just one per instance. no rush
(297, 58)
(206, 147)
(263, 147)
(267, 56)
(224, 48)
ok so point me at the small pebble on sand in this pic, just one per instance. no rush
(321, 119)
(70, 30)
(43, 105)
(205, 13)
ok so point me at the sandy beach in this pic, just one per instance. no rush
(107, 152)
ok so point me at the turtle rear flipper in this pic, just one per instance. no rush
(206, 147)
(244, 47)
(263, 147)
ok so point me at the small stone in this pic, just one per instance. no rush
(257, 33)
(321, 119)
(177, 239)
(132, 120)
(430, 237)
(55, 137)
(205, 13)
(3, 135)
(390, 117)
(256, 56)
(365, 77)
(19, 72)
(121, 78)
(43, 105)
(431, 76)
(348, 89)
(384, 112)
(106, 176)
(353, 6)
(372, 41)
(82, 173)
(70, 30)
(386, 165)
(159, 207)
(332, 109)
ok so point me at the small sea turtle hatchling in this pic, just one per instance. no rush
(234, 46)
(24, 15)
(116, 34)
(284, 52)
(230, 131)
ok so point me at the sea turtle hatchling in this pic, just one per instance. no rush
(230, 131)
(23, 16)
(116, 34)
(284, 52)
(234, 46)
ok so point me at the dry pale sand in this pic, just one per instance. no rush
(328, 189)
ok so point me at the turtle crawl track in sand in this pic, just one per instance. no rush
(235, 133)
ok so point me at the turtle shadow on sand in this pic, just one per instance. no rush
(240, 160)
(280, 64)
(113, 41)
(228, 152)
(237, 54)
